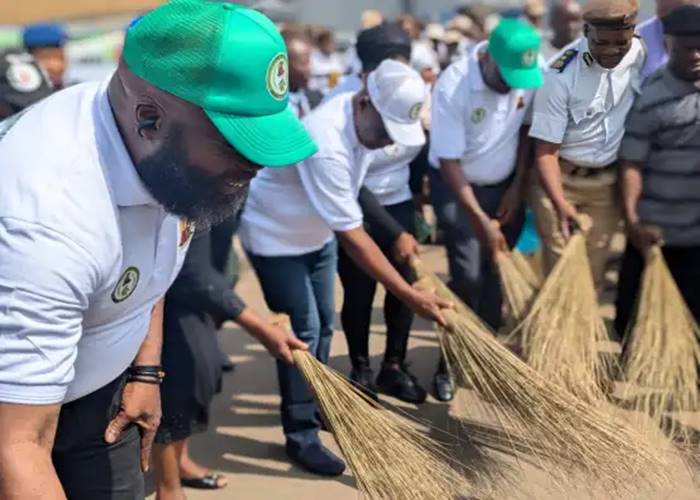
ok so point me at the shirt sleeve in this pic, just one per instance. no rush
(387, 228)
(45, 283)
(448, 138)
(639, 127)
(550, 111)
(328, 182)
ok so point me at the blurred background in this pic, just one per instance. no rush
(95, 28)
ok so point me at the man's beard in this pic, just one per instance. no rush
(185, 191)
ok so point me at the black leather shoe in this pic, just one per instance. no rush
(401, 384)
(363, 379)
(316, 459)
(444, 387)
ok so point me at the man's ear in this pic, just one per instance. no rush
(149, 120)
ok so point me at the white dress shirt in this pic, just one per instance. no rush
(296, 210)
(584, 106)
(86, 251)
(475, 124)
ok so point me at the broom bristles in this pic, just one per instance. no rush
(563, 329)
(519, 284)
(663, 352)
(572, 435)
(390, 458)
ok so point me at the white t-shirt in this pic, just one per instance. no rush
(295, 210)
(389, 174)
(351, 83)
(323, 67)
(86, 251)
(472, 122)
(583, 106)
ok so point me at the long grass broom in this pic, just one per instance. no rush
(563, 330)
(663, 353)
(389, 456)
(519, 284)
(575, 438)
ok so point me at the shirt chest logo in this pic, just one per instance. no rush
(478, 115)
(126, 285)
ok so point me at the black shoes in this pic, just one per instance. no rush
(401, 384)
(363, 379)
(316, 459)
(444, 387)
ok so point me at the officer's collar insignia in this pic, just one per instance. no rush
(126, 285)
(588, 59)
(561, 63)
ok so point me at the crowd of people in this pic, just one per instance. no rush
(119, 201)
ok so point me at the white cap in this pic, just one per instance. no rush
(398, 93)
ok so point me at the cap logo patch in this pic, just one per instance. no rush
(529, 57)
(478, 115)
(23, 77)
(126, 285)
(415, 110)
(277, 78)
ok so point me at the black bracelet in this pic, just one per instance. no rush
(147, 371)
(144, 379)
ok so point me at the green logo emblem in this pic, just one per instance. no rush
(478, 115)
(126, 285)
(277, 78)
(529, 57)
(414, 113)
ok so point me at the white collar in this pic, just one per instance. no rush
(126, 185)
(630, 59)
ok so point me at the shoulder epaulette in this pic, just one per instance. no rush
(561, 63)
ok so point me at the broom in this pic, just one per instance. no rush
(561, 332)
(663, 353)
(574, 436)
(519, 284)
(390, 458)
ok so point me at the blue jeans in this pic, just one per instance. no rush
(301, 286)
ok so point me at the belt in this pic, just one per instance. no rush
(574, 170)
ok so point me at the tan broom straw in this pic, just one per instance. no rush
(563, 330)
(663, 353)
(389, 456)
(576, 438)
(519, 284)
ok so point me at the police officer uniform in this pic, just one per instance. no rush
(582, 107)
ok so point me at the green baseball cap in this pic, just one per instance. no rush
(515, 46)
(230, 61)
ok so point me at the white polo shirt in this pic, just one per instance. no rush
(85, 250)
(296, 210)
(389, 174)
(473, 123)
(583, 106)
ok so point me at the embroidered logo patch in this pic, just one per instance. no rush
(478, 115)
(415, 110)
(277, 78)
(126, 285)
(529, 57)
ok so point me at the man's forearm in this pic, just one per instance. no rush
(367, 255)
(631, 186)
(453, 175)
(149, 354)
(547, 161)
(26, 440)
(524, 157)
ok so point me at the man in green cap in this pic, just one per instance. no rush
(478, 151)
(101, 185)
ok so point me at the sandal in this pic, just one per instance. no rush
(208, 482)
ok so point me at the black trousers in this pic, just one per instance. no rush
(356, 314)
(89, 468)
(684, 264)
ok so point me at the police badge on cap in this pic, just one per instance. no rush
(22, 81)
